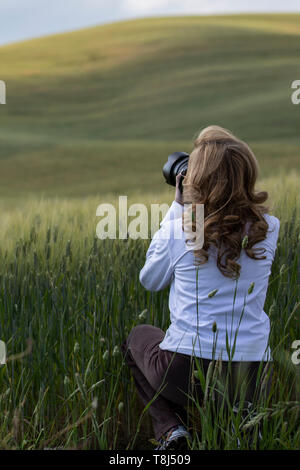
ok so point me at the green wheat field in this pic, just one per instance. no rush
(92, 115)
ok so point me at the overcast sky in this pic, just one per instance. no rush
(23, 19)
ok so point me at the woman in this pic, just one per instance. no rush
(217, 293)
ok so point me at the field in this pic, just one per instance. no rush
(91, 115)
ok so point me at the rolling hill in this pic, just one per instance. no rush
(99, 110)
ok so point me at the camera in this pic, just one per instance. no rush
(177, 163)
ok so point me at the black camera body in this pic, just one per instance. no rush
(177, 163)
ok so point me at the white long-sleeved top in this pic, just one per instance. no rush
(242, 325)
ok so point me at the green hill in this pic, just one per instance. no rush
(99, 110)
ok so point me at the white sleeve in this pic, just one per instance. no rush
(158, 270)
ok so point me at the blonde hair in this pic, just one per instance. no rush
(221, 175)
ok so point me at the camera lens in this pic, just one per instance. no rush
(177, 163)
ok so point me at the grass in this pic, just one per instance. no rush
(69, 293)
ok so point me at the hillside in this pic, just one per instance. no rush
(99, 110)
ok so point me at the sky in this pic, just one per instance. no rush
(25, 19)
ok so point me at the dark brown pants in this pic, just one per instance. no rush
(168, 375)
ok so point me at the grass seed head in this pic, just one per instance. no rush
(116, 351)
(95, 403)
(282, 269)
(66, 380)
(245, 242)
(251, 287)
(213, 293)
(105, 355)
(142, 316)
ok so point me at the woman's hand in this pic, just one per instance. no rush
(178, 193)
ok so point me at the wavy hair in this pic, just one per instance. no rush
(221, 175)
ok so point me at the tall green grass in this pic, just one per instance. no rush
(68, 300)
